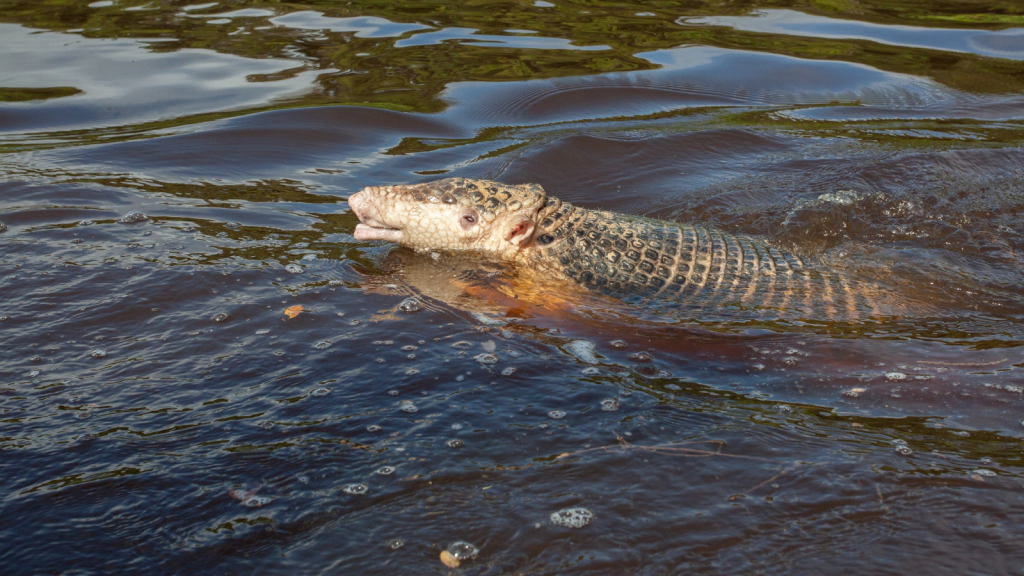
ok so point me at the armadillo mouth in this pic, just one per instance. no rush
(367, 232)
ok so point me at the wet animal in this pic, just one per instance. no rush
(611, 253)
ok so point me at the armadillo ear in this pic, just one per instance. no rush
(519, 231)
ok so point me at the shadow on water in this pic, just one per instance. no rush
(233, 383)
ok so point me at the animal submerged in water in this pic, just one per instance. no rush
(611, 253)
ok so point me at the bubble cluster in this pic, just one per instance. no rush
(98, 353)
(557, 414)
(572, 517)
(320, 392)
(257, 501)
(322, 345)
(293, 268)
(610, 405)
(355, 489)
(456, 426)
(508, 371)
(894, 376)
(133, 218)
(410, 305)
(486, 358)
(408, 406)
(582, 350)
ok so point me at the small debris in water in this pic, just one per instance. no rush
(591, 371)
(984, 472)
(854, 392)
(572, 517)
(449, 560)
(293, 311)
(619, 344)
(220, 317)
(86, 223)
(508, 371)
(97, 353)
(410, 305)
(610, 405)
(355, 489)
(133, 218)
(293, 268)
(893, 376)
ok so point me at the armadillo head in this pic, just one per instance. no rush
(451, 214)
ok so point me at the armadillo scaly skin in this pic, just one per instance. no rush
(618, 254)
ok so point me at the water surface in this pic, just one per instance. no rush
(166, 407)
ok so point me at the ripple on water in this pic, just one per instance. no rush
(221, 317)
(322, 345)
(320, 392)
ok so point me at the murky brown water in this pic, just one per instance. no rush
(160, 412)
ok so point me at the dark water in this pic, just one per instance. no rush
(160, 413)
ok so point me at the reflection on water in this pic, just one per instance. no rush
(997, 44)
(235, 384)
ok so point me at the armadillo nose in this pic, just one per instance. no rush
(357, 203)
